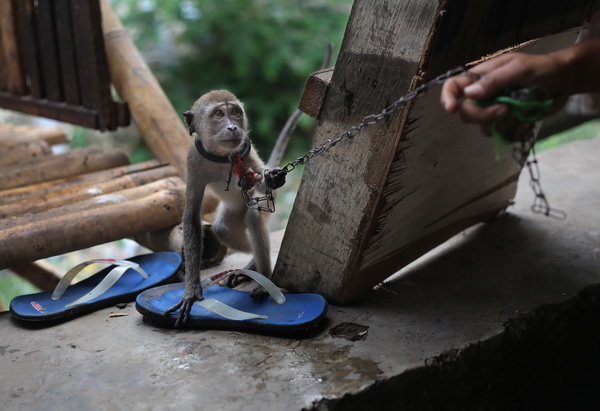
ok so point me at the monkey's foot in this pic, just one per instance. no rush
(236, 279)
(185, 307)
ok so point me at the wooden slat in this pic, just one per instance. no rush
(92, 63)
(44, 17)
(35, 204)
(78, 161)
(78, 115)
(30, 48)
(315, 91)
(5, 13)
(66, 51)
(91, 227)
(11, 60)
(100, 200)
(51, 135)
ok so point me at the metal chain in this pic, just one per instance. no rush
(540, 205)
(372, 119)
(521, 154)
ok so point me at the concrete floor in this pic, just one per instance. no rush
(458, 296)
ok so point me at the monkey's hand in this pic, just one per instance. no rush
(275, 178)
(249, 179)
(185, 306)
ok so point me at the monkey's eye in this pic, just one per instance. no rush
(236, 112)
(219, 113)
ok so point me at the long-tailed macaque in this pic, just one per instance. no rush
(222, 147)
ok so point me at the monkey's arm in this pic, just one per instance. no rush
(192, 236)
(272, 178)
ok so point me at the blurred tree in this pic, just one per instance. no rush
(262, 50)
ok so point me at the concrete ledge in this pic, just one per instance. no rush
(483, 316)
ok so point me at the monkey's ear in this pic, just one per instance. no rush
(189, 119)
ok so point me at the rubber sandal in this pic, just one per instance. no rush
(119, 283)
(230, 309)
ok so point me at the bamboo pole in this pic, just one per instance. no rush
(20, 194)
(159, 124)
(41, 274)
(91, 227)
(84, 192)
(51, 135)
(78, 161)
(18, 152)
(116, 197)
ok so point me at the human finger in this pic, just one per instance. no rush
(452, 92)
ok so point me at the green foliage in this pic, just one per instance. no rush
(262, 50)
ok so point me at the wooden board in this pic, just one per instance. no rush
(373, 204)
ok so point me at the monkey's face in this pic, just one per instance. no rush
(226, 124)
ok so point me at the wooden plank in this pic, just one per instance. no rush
(30, 47)
(92, 64)
(72, 194)
(11, 59)
(44, 17)
(5, 14)
(315, 91)
(78, 161)
(107, 109)
(78, 115)
(91, 227)
(338, 194)
(66, 51)
(371, 205)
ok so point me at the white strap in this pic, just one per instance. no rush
(111, 278)
(267, 284)
(226, 311)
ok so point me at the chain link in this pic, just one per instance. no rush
(372, 119)
(521, 154)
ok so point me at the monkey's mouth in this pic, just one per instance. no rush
(231, 143)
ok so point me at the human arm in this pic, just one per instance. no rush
(560, 74)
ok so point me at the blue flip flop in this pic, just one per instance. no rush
(226, 308)
(119, 283)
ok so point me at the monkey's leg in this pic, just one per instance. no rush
(192, 235)
(259, 240)
(230, 228)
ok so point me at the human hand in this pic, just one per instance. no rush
(494, 77)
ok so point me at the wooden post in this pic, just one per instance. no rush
(161, 127)
(373, 204)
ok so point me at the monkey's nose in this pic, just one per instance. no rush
(232, 128)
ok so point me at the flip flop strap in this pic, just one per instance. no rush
(111, 278)
(227, 311)
(267, 284)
